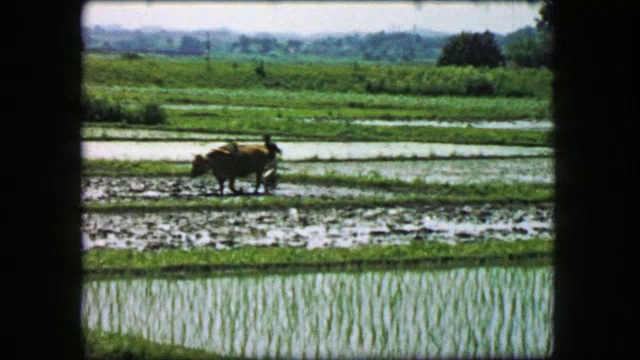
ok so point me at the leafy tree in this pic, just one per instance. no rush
(476, 49)
(267, 44)
(191, 45)
(525, 32)
(545, 27)
(546, 20)
(534, 50)
(243, 43)
(260, 70)
(522, 52)
(293, 46)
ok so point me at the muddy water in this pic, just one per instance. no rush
(132, 188)
(313, 228)
(457, 313)
(536, 170)
(529, 170)
(185, 151)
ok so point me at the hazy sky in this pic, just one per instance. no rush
(314, 17)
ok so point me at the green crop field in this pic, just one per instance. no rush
(150, 229)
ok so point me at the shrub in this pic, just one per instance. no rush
(149, 114)
(131, 56)
(103, 110)
(479, 86)
(100, 110)
(260, 70)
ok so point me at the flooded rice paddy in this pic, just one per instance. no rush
(339, 227)
(539, 125)
(185, 150)
(318, 228)
(481, 312)
(132, 188)
(450, 171)
(533, 170)
(419, 313)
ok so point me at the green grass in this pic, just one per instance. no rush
(134, 168)
(98, 262)
(296, 93)
(332, 104)
(287, 114)
(109, 346)
(542, 193)
(152, 168)
(379, 78)
(252, 122)
(407, 194)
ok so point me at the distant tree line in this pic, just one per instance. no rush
(381, 46)
(526, 47)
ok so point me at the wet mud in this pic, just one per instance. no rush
(111, 189)
(318, 228)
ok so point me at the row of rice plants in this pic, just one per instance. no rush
(485, 311)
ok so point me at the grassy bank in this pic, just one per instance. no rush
(110, 346)
(150, 168)
(98, 262)
(263, 203)
(300, 130)
(333, 105)
(429, 194)
(134, 168)
(280, 123)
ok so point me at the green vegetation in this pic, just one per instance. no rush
(134, 168)
(418, 46)
(534, 48)
(318, 125)
(103, 110)
(529, 52)
(382, 106)
(109, 346)
(314, 115)
(476, 49)
(254, 92)
(342, 78)
(244, 259)
(149, 168)
(286, 123)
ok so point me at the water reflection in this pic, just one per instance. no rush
(453, 171)
(185, 151)
(538, 125)
(475, 312)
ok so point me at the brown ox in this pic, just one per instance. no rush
(232, 160)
